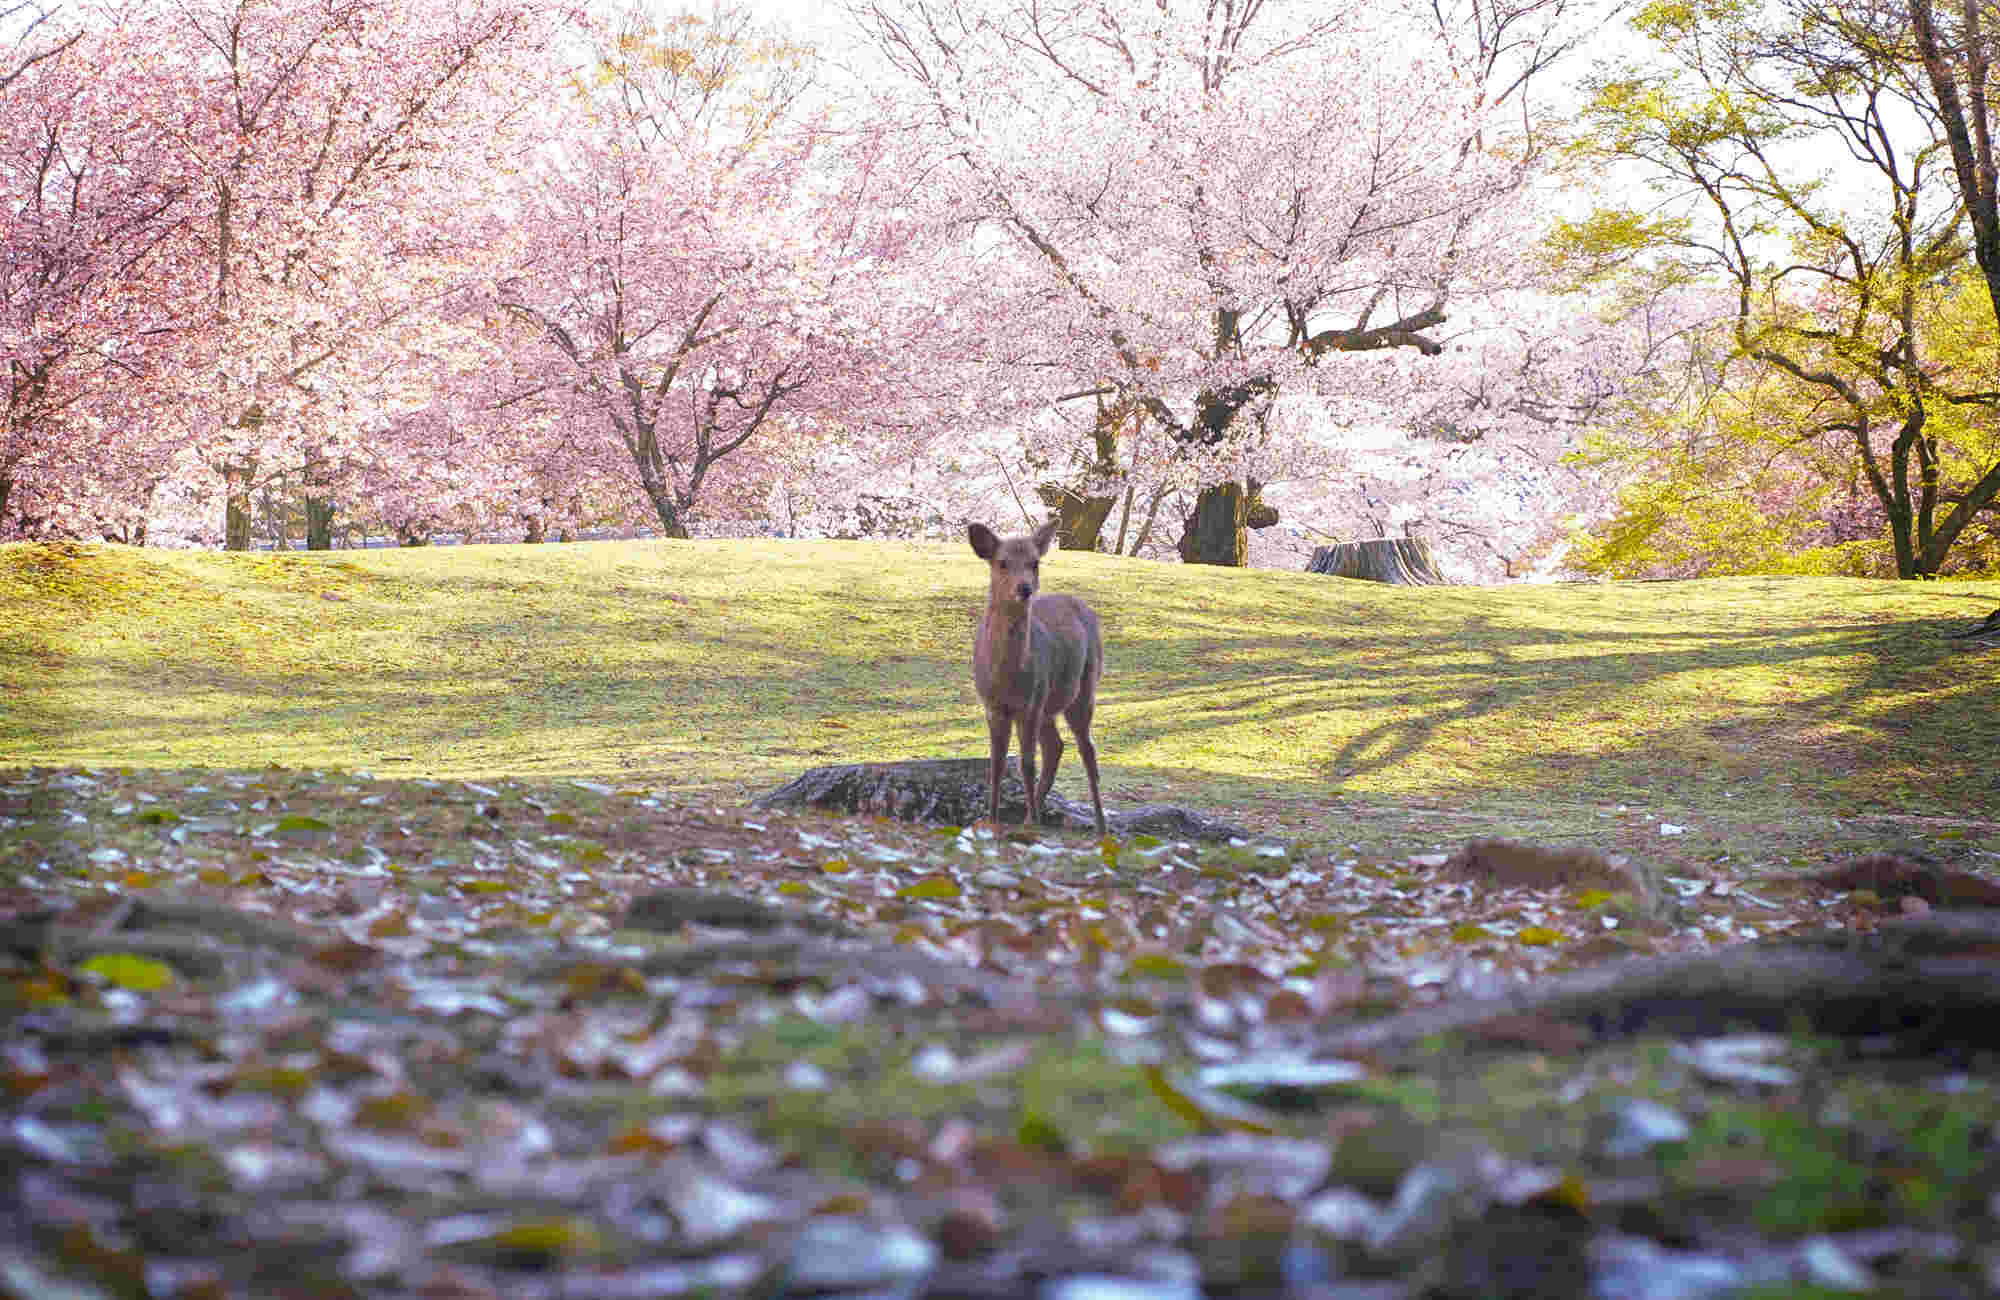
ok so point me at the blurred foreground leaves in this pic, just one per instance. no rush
(324, 1034)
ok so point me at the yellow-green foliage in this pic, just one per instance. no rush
(1731, 488)
(1965, 342)
(1661, 529)
(1580, 252)
(1828, 312)
(1669, 528)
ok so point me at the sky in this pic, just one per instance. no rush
(803, 15)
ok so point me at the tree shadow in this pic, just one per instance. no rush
(1406, 693)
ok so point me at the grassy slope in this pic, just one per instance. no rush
(728, 667)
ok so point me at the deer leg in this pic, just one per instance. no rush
(1052, 751)
(1079, 726)
(1033, 817)
(996, 766)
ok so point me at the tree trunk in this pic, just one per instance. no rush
(1146, 527)
(236, 507)
(317, 495)
(1968, 127)
(319, 523)
(320, 509)
(1079, 519)
(133, 534)
(1081, 515)
(672, 522)
(1217, 533)
(1405, 561)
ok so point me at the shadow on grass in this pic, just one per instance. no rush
(1471, 706)
(658, 663)
(1904, 717)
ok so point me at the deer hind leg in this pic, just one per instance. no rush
(1079, 715)
(1052, 752)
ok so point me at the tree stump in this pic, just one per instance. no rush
(1404, 561)
(952, 792)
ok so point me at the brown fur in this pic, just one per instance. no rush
(1035, 656)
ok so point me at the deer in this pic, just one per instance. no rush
(1034, 656)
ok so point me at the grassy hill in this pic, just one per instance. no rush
(726, 667)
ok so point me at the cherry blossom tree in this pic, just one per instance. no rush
(84, 212)
(1487, 465)
(700, 279)
(34, 36)
(338, 182)
(330, 156)
(455, 266)
(1186, 212)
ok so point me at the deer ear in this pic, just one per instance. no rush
(1044, 535)
(984, 543)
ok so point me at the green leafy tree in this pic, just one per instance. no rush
(1726, 488)
(1804, 165)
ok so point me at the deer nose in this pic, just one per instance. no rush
(1026, 590)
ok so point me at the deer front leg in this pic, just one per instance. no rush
(1028, 728)
(997, 727)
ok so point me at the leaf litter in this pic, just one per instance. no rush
(291, 1032)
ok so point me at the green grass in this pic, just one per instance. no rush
(1907, 1159)
(728, 667)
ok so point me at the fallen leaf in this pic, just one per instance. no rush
(130, 971)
